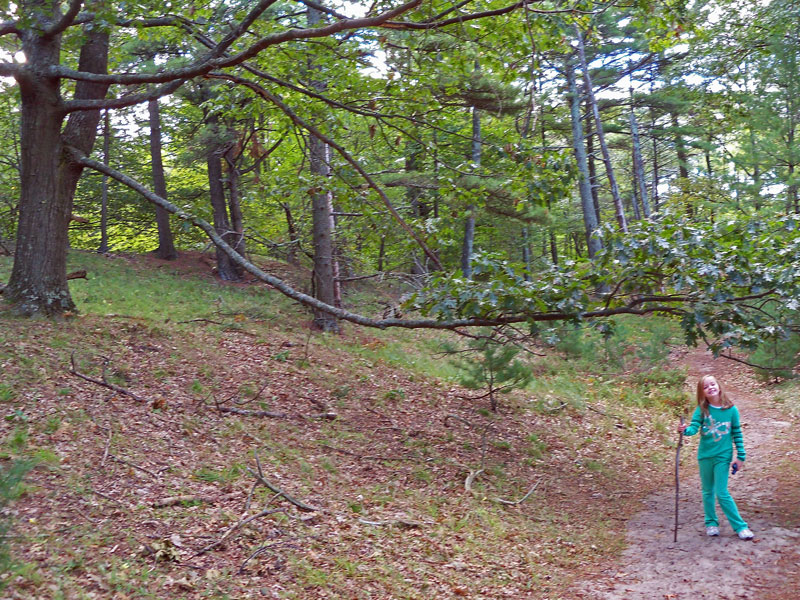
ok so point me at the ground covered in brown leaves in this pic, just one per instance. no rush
(260, 459)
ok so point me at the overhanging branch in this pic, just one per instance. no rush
(670, 304)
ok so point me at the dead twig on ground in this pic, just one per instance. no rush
(105, 451)
(132, 465)
(77, 274)
(109, 498)
(104, 382)
(521, 500)
(470, 478)
(251, 413)
(401, 523)
(278, 491)
(200, 321)
(264, 550)
(484, 436)
(191, 498)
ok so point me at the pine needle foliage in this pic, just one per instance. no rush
(490, 363)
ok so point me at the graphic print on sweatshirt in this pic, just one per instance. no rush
(716, 429)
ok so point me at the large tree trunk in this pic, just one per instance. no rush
(590, 223)
(325, 280)
(48, 179)
(601, 138)
(326, 283)
(166, 244)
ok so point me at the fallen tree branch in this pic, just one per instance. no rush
(251, 413)
(104, 382)
(105, 450)
(260, 477)
(470, 478)
(521, 500)
(401, 523)
(635, 307)
(199, 498)
(135, 466)
(77, 274)
(447, 419)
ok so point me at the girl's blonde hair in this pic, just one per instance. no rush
(724, 400)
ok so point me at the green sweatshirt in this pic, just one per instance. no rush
(719, 430)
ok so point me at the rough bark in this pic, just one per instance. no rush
(227, 270)
(326, 285)
(49, 177)
(166, 244)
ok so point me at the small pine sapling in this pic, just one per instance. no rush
(490, 364)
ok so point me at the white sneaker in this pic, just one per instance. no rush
(714, 530)
(745, 534)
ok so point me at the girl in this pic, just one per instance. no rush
(718, 421)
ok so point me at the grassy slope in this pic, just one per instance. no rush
(388, 474)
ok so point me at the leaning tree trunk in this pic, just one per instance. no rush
(601, 138)
(590, 223)
(166, 244)
(48, 178)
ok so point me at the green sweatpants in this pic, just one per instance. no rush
(714, 478)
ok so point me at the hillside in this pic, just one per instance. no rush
(198, 440)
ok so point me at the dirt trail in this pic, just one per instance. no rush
(653, 567)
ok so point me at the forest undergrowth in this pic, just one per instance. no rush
(188, 439)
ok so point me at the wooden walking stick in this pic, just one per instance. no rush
(677, 481)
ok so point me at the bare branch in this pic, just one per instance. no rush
(103, 382)
(301, 505)
(478, 15)
(521, 500)
(66, 20)
(7, 27)
(251, 413)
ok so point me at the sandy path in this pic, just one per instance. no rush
(696, 567)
